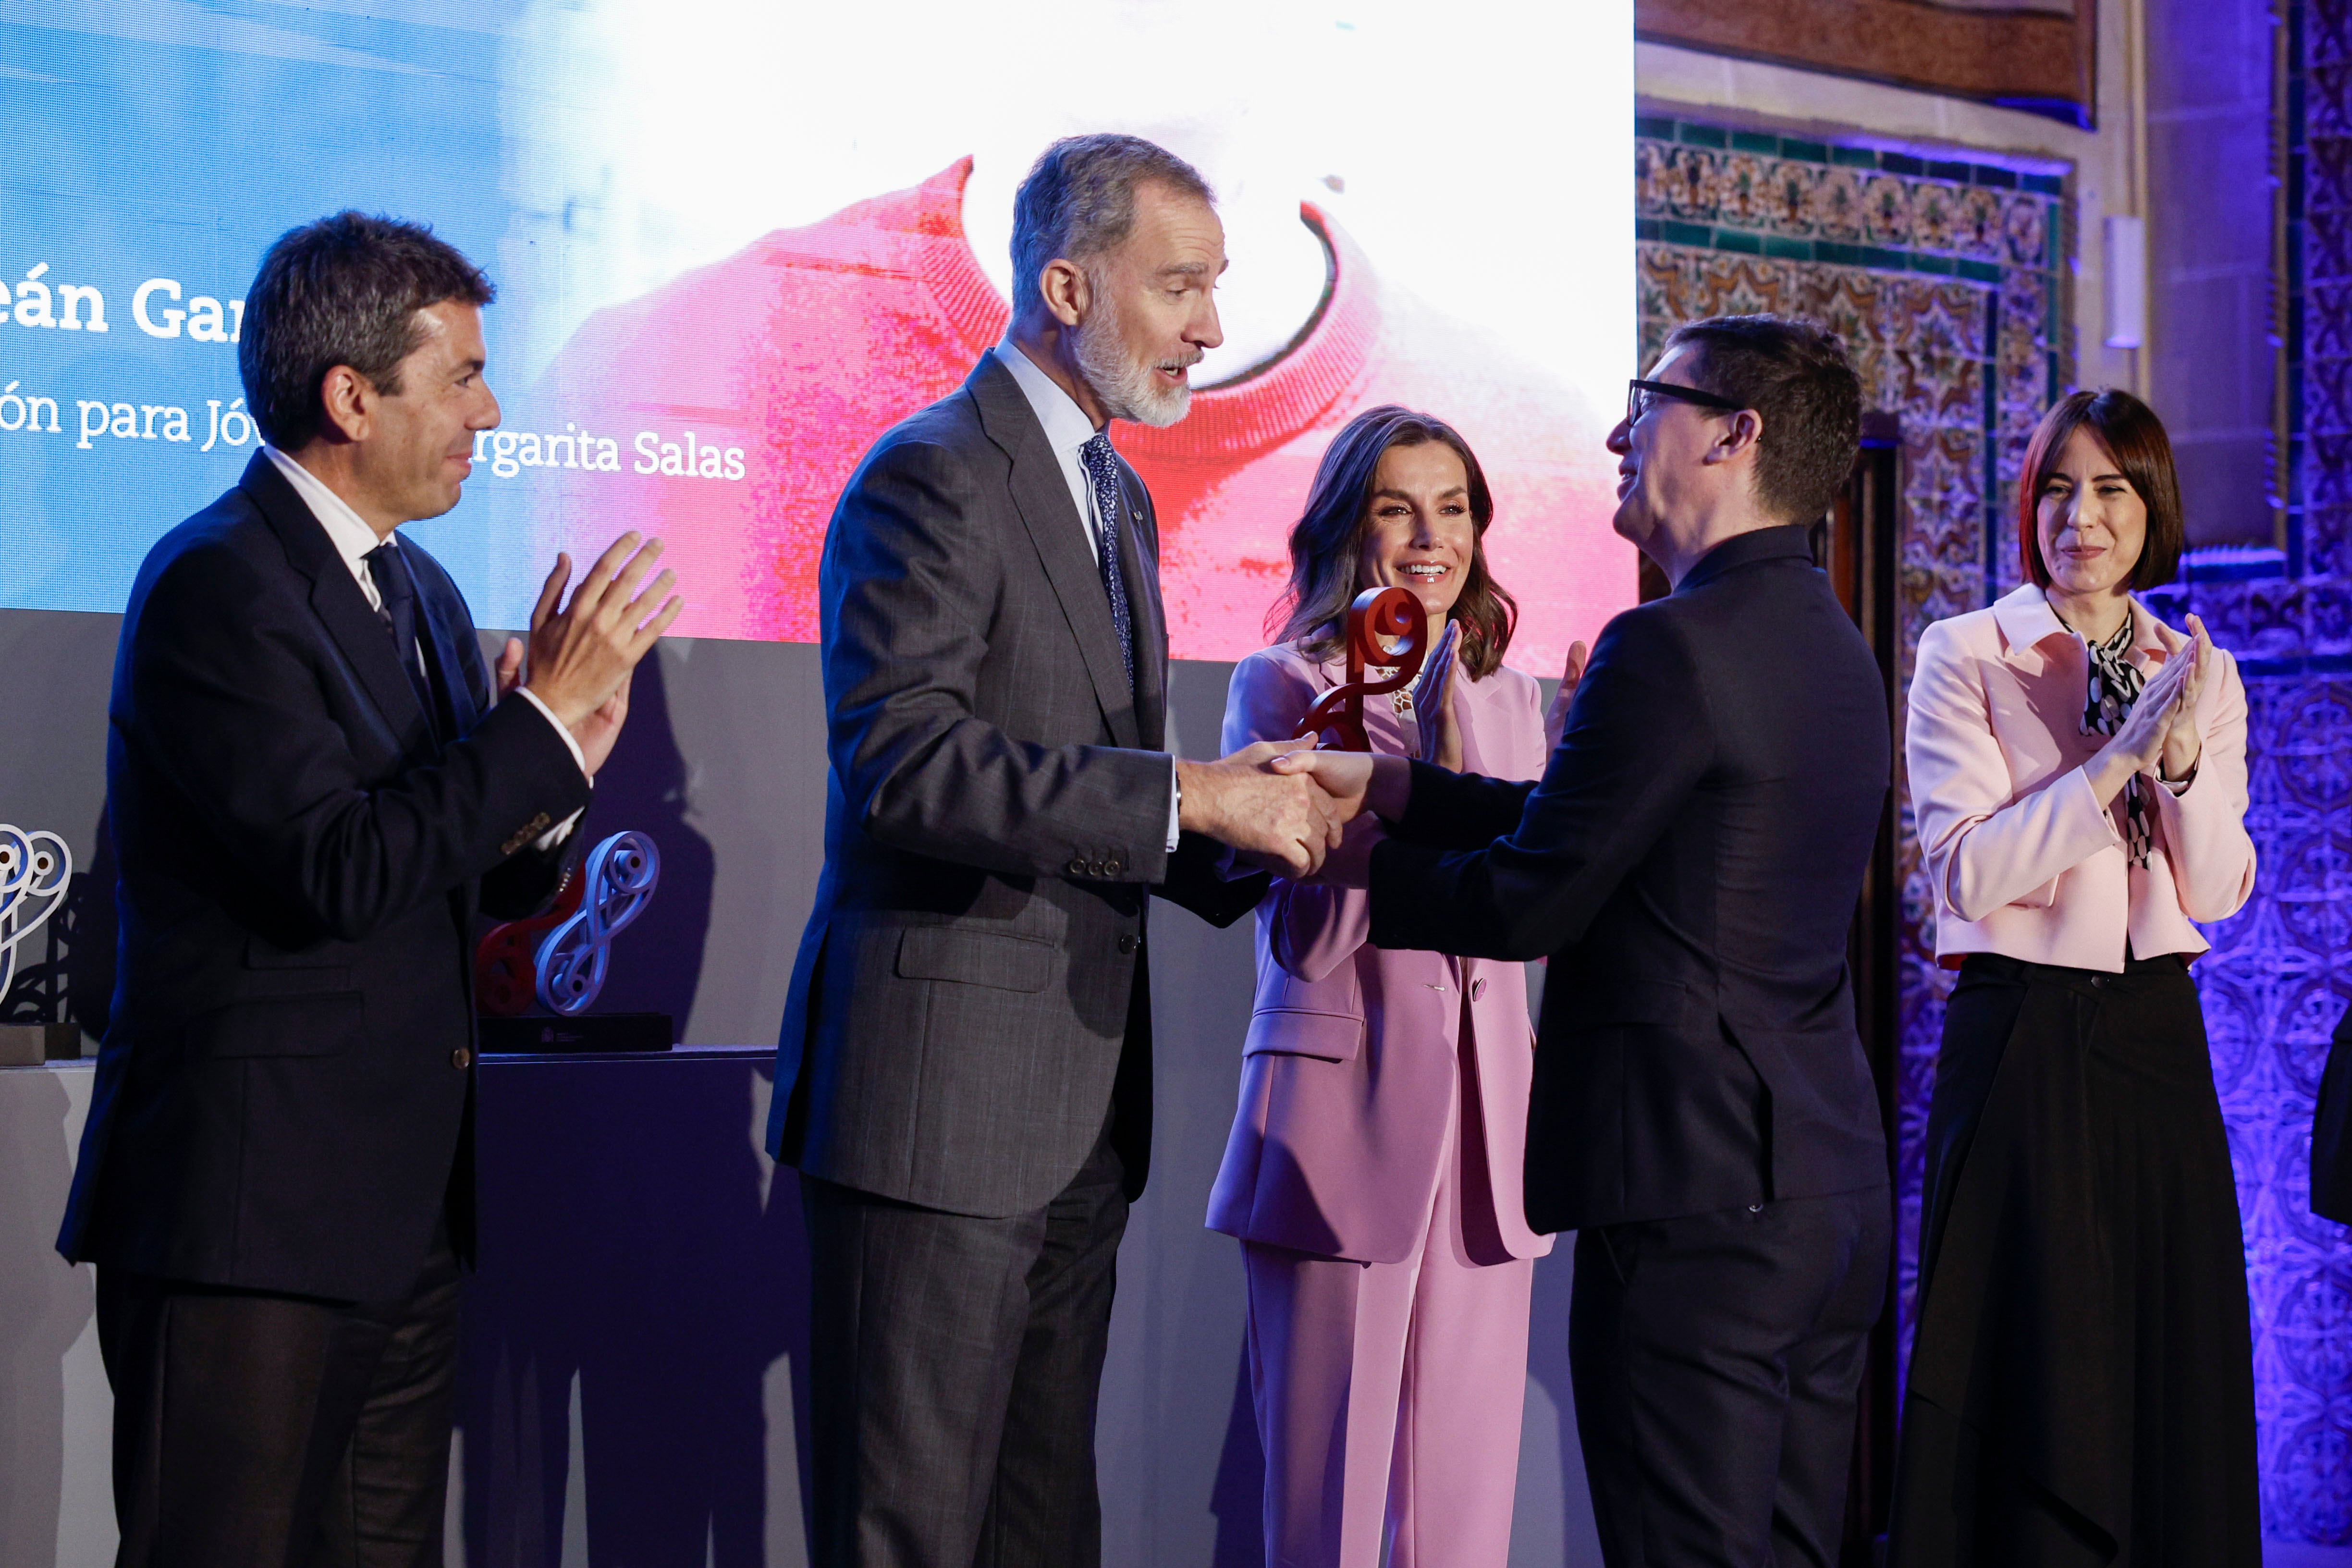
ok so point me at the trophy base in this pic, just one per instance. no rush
(30, 1045)
(590, 1031)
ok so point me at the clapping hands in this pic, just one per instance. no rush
(2182, 744)
(581, 654)
(1439, 725)
(1573, 676)
(2162, 728)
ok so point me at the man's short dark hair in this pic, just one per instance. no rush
(1078, 201)
(1795, 375)
(343, 290)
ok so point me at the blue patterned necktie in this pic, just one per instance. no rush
(397, 587)
(1102, 471)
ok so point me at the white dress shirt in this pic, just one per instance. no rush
(353, 540)
(1067, 429)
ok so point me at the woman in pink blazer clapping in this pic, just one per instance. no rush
(1373, 1171)
(2080, 1389)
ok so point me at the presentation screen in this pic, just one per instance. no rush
(736, 240)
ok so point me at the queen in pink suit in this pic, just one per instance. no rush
(1372, 1174)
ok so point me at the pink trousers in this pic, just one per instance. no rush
(1389, 1395)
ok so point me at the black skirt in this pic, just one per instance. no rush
(2081, 1387)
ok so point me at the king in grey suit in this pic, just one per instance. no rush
(965, 1075)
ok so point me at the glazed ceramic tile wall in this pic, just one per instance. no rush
(2278, 977)
(2273, 985)
(1943, 278)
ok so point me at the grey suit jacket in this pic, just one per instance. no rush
(971, 986)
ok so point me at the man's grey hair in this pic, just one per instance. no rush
(1078, 202)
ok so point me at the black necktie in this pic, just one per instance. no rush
(1102, 469)
(398, 589)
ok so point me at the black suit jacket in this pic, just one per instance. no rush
(285, 1092)
(970, 999)
(2331, 1130)
(1690, 861)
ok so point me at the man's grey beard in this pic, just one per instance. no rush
(1126, 390)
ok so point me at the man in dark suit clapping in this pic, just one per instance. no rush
(1702, 1114)
(965, 1075)
(313, 785)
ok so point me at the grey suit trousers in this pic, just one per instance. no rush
(955, 1360)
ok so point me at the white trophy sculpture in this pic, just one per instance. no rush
(35, 869)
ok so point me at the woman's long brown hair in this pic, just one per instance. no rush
(1327, 544)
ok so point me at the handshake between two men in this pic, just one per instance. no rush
(1285, 807)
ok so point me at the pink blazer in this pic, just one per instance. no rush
(1349, 1073)
(2023, 860)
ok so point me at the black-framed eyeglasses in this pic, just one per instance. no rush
(1641, 396)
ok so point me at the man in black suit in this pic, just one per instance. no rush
(312, 787)
(1703, 1113)
(964, 1077)
(2331, 1129)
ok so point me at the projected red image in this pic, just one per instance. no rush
(738, 397)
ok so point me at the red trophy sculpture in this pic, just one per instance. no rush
(1377, 613)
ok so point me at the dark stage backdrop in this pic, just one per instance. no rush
(634, 1361)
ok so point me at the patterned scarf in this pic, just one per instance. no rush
(2114, 686)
